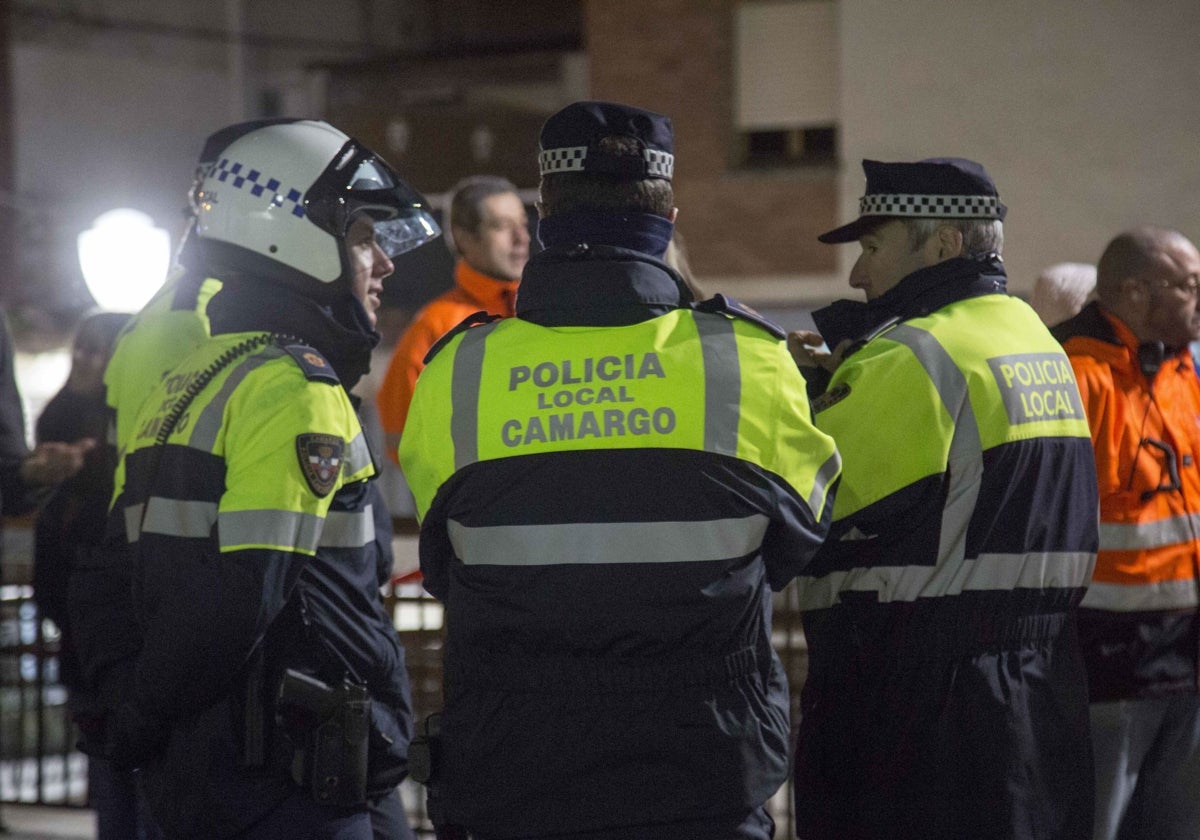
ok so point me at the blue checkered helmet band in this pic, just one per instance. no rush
(231, 172)
(931, 206)
(572, 159)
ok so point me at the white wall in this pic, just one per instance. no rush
(107, 117)
(96, 131)
(1085, 112)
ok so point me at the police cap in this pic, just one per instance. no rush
(934, 188)
(569, 141)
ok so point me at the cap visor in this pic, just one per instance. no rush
(849, 233)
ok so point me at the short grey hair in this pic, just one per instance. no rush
(980, 236)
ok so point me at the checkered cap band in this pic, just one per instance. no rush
(571, 159)
(231, 172)
(931, 206)
(659, 164)
(567, 159)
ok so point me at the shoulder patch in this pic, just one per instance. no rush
(314, 365)
(831, 397)
(472, 320)
(728, 306)
(320, 461)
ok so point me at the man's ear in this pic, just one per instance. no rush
(950, 242)
(674, 215)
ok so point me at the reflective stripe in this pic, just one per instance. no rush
(1165, 595)
(133, 522)
(1140, 536)
(272, 528)
(827, 473)
(464, 395)
(212, 416)
(988, 572)
(281, 529)
(171, 517)
(965, 459)
(344, 529)
(357, 455)
(607, 542)
(722, 383)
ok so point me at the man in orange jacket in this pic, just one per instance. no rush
(1138, 622)
(490, 231)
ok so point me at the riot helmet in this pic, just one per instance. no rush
(210, 153)
(279, 199)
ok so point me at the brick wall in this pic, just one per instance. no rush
(676, 57)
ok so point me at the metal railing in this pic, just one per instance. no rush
(38, 760)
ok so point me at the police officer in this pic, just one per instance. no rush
(611, 484)
(268, 698)
(946, 696)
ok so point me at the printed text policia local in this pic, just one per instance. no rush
(1037, 387)
(601, 382)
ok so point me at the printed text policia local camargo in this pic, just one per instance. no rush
(598, 392)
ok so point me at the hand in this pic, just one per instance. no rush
(54, 462)
(387, 761)
(804, 344)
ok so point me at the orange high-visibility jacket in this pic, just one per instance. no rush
(1137, 621)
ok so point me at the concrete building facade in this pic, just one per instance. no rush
(1080, 109)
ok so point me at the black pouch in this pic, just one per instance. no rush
(332, 764)
(423, 767)
(423, 749)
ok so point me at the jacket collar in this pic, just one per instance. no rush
(1111, 338)
(646, 233)
(340, 332)
(597, 285)
(1093, 321)
(920, 293)
(490, 293)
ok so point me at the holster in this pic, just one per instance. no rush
(330, 745)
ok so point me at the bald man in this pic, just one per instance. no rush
(1138, 621)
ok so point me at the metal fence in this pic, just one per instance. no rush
(38, 761)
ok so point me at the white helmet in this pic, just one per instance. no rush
(278, 201)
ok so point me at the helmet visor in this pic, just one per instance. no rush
(358, 181)
(406, 232)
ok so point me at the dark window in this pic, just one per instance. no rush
(790, 147)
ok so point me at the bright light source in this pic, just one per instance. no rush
(124, 258)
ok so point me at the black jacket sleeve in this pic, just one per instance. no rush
(15, 497)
